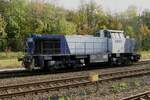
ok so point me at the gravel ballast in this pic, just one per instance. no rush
(112, 90)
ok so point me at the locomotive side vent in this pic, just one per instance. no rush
(47, 46)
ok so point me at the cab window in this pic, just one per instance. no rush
(107, 34)
(121, 35)
(116, 35)
(113, 35)
(97, 34)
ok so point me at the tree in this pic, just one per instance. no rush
(15, 18)
(2, 27)
(89, 18)
(129, 31)
(131, 12)
(145, 17)
(4, 4)
(2, 34)
(144, 36)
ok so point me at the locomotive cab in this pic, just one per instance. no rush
(115, 40)
(121, 49)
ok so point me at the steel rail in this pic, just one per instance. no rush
(144, 95)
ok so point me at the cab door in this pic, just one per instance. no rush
(109, 42)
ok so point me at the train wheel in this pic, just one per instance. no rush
(87, 61)
(45, 67)
(28, 66)
(126, 61)
(111, 62)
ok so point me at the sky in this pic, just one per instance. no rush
(108, 5)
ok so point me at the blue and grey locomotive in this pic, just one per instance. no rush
(58, 51)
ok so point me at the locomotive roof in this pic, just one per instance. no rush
(116, 31)
(36, 36)
(45, 36)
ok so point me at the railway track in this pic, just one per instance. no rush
(49, 85)
(11, 73)
(140, 96)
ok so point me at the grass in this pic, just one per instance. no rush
(136, 83)
(9, 63)
(10, 55)
(10, 59)
(145, 54)
(119, 86)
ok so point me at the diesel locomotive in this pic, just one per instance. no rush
(53, 51)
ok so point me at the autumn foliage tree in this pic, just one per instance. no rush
(21, 18)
